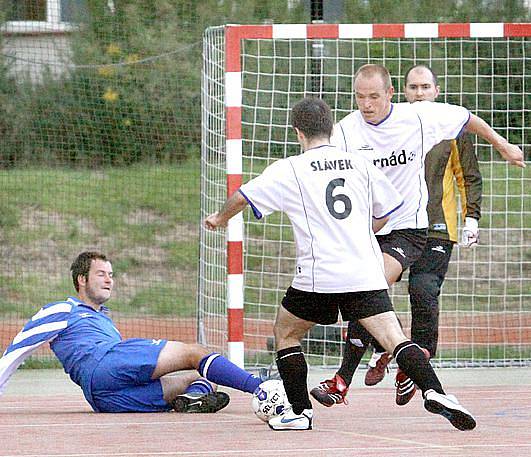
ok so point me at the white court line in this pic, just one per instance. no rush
(49, 408)
(467, 393)
(48, 400)
(419, 444)
(268, 451)
(236, 418)
(119, 424)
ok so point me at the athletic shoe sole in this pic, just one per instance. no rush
(208, 403)
(325, 398)
(289, 428)
(295, 422)
(458, 416)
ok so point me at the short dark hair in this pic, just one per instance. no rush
(81, 266)
(313, 117)
(414, 67)
(371, 69)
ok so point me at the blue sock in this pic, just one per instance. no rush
(222, 371)
(201, 386)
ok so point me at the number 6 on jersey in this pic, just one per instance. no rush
(332, 199)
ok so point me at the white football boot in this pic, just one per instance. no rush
(448, 407)
(288, 420)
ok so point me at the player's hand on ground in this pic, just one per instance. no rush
(213, 221)
(513, 154)
(470, 234)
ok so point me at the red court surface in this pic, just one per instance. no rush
(60, 423)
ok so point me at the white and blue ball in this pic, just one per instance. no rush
(269, 399)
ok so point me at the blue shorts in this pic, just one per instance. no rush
(121, 383)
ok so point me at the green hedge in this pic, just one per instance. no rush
(132, 92)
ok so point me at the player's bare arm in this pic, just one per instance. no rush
(378, 224)
(510, 152)
(232, 206)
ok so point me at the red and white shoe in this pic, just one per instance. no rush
(378, 366)
(331, 392)
(405, 387)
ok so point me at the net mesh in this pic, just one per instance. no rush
(484, 305)
(100, 149)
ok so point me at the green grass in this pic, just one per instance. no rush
(161, 301)
(105, 197)
(16, 293)
(43, 362)
(506, 201)
(145, 217)
(492, 352)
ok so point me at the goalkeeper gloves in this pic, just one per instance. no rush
(470, 234)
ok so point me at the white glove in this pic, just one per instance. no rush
(470, 235)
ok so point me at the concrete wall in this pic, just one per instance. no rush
(33, 54)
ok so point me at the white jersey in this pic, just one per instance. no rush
(398, 146)
(330, 197)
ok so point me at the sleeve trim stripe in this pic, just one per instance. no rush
(10, 362)
(58, 308)
(256, 211)
(463, 127)
(392, 211)
(44, 328)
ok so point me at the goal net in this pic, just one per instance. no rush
(252, 76)
(99, 150)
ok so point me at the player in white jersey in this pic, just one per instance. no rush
(396, 137)
(335, 202)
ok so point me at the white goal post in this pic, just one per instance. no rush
(252, 76)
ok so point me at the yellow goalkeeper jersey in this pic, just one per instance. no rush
(451, 164)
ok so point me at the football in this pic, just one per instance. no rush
(269, 400)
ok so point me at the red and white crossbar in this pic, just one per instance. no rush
(233, 118)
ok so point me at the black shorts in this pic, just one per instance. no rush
(404, 245)
(324, 308)
(434, 259)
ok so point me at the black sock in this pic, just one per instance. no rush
(413, 362)
(294, 371)
(377, 346)
(356, 343)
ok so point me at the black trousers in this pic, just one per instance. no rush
(426, 276)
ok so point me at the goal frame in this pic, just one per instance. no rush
(234, 34)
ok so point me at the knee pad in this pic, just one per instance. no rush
(424, 286)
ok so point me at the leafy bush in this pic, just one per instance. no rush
(130, 86)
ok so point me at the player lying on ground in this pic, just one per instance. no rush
(334, 200)
(396, 137)
(119, 375)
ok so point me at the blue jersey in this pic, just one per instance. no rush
(115, 375)
(88, 336)
(78, 334)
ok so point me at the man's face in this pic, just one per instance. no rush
(98, 286)
(372, 98)
(420, 86)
